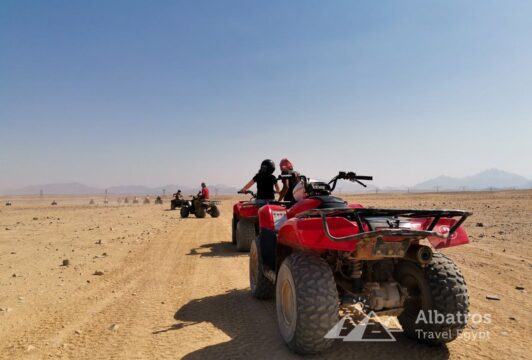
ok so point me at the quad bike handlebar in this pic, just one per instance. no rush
(342, 175)
(248, 192)
(351, 176)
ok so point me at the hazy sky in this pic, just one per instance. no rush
(156, 92)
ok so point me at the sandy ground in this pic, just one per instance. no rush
(174, 288)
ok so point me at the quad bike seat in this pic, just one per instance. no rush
(329, 201)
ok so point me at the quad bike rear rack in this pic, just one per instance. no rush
(362, 216)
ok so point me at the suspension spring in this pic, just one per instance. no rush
(356, 274)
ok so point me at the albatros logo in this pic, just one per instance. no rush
(372, 328)
(369, 328)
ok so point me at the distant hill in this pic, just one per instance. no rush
(492, 178)
(81, 189)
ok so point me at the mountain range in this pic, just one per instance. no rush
(492, 178)
(81, 189)
(488, 179)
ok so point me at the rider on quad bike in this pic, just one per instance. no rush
(177, 201)
(323, 255)
(203, 195)
(245, 212)
(266, 182)
(200, 205)
(290, 179)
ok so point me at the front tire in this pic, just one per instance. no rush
(245, 234)
(184, 212)
(439, 288)
(261, 287)
(307, 302)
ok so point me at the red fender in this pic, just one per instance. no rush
(302, 205)
(308, 234)
(443, 226)
(272, 217)
(245, 210)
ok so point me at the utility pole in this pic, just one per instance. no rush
(164, 192)
(41, 193)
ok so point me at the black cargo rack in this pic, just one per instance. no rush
(361, 216)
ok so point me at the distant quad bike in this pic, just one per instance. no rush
(176, 203)
(245, 225)
(200, 208)
(322, 255)
(158, 200)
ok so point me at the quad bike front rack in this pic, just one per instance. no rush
(363, 215)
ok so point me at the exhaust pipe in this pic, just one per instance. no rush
(419, 253)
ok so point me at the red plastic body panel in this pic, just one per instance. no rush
(272, 217)
(355, 206)
(308, 233)
(245, 210)
(302, 205)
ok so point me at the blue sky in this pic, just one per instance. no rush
(138, 92)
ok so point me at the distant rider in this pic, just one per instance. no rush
(204, 191)
(203, 194)
(288, 183)
(177, 201)
(178, 195)
(265, 180)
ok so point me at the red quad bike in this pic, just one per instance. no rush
(245, 220)
(323, 255)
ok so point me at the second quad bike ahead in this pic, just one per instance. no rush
(245, 220)
(323, 255)
(200, 207)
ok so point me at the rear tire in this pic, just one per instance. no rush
(201, 212)
(439, 288)
(261, 287)
(184, 212)
(307, 302)
(215, 212)
(245, 234)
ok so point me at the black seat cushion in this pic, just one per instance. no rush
(328, 202)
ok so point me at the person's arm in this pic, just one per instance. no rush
(284, 190)
(276, 186)
(247, 186)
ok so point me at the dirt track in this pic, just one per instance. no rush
(177, 289)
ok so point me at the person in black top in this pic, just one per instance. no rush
(288, 183)
(265, 180)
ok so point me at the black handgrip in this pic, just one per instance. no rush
(363, 177)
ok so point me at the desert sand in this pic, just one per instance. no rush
(171, 288)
